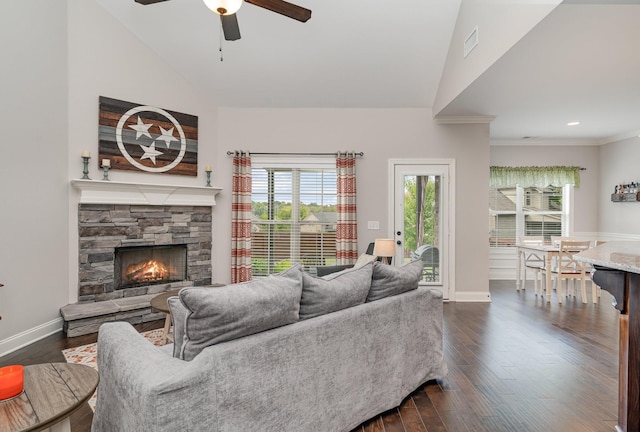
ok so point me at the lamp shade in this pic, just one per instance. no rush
(384, 248)
(223, 7)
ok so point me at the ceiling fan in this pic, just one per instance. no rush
(227, 10)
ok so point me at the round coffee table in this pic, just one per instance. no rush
(160, 304)
(52, 392)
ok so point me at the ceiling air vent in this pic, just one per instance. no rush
(471, 41)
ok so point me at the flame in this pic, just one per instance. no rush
(147, 271)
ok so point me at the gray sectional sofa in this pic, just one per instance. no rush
(244, 360)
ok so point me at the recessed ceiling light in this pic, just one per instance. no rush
(574, 123)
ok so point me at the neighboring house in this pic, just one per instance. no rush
(541, 214)
(319, 222)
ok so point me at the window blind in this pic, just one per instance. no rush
(293, 217)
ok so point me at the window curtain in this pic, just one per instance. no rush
(346, 227)
(534, 176)
(241, 218)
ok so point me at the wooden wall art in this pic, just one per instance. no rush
(144, 138)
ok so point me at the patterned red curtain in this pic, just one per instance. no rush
(241, 218)
(347, 226)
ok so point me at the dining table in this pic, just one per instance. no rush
(549, 251)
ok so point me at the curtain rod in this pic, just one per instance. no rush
(229, 153)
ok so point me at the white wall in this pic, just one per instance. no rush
(619, 163)
(502, 261)
(382, 134)
(33, 183)
(501, 23)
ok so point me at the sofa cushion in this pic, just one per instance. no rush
(388, 280)
(363, 260)
(335, 291)
(221, 314)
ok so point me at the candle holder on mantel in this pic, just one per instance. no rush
(208, 171)
(106, 165)
(85, 170)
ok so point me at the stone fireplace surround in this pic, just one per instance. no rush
(116, 214)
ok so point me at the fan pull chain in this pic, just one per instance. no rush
(221, 57)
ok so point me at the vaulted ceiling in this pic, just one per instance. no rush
(579, 64)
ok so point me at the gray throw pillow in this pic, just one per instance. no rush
(335, 291)
(178, 320)
(388, 280)
(216, 315)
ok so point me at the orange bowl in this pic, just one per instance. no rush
(11, 381)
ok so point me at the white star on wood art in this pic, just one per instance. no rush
(141, 128)
(150, 152)
(167, 136)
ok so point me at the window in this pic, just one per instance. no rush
(515, 211)
(293, 215)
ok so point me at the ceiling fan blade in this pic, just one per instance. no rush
(230, 27)
(148, 2)
(284, 8)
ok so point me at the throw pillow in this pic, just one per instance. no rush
(237, 310)
(335, 291)
(363, 260)
(178, 320)
(388, 280)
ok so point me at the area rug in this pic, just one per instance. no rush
(86, 354)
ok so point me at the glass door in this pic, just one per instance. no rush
(421, 223)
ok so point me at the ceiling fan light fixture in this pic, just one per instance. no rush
(223, 7)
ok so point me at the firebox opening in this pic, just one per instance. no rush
(149, 265)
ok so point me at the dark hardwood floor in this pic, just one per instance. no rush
(516, 364)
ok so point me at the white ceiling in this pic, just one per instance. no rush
(580, 63)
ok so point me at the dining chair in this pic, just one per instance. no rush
(532, 261)
(568, 268)
(555, 240)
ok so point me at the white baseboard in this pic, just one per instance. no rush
(473, 297)
(30, 336)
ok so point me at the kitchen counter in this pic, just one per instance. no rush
(618, 255)
(617, 270)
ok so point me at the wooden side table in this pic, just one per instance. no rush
(160, 304)
(52, 392)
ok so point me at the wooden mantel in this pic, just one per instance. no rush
(112, 192)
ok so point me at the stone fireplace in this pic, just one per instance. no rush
(134, 242)
(108, 231)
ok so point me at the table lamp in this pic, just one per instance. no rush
(384, 248)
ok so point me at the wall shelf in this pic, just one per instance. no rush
(625, 197)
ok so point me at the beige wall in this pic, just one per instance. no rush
(382, 134)
(72, 53)
(501, 23)
(619, 163)
(33, 173)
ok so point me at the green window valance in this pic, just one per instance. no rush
(529, 176)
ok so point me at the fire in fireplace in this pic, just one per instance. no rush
(148, 265)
